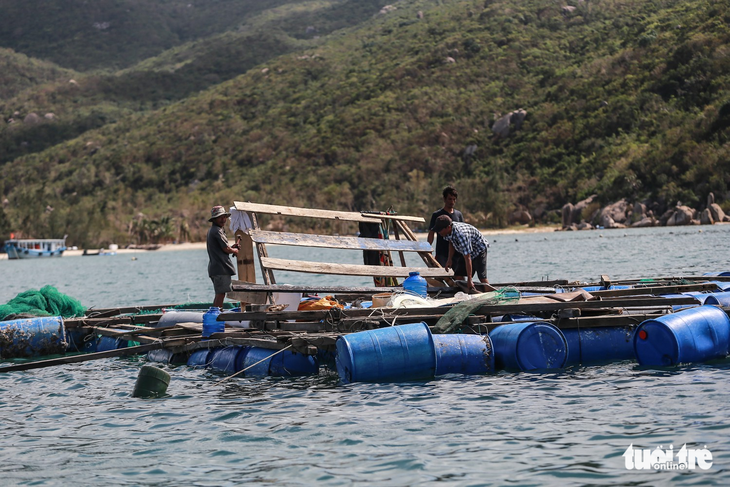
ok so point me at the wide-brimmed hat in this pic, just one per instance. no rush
(216, 212)
(441, 222)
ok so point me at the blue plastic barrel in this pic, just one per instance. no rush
(80, 340)
(678, 307)
(620, 286)
(32, 337)
(416, 284)
(593, 288)
(719, 274)
(515, 317)
(599, 345)
(162, 356)
(397, 353)
(110, 343)
(718, 299)
(690, 335)
(228, 359)
(529, 346)
(199, 358)
(292, 364)
(721, 285)
(463, 354)
(254, 355)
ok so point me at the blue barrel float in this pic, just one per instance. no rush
(529, 346)
(599, 345)
(228, 359)
(464, 354)
(396, 353)
(691, 335)
(199, 358)
(32, 337)
(718, 299)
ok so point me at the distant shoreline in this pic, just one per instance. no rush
(201, 245)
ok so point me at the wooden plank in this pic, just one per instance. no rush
(402, 218)
(262, 252)
(121, 352)
(656, 290)
(304, 212)
(239, 286)
(351, 269)
(331, 242)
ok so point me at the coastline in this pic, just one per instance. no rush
(201, 245)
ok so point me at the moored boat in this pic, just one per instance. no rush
(30, 248)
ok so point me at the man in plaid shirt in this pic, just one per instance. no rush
(469, 242)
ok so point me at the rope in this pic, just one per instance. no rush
(252, 365)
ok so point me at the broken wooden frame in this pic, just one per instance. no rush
(405, 241)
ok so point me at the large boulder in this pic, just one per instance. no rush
(577, 212)
(606, 221)
(706, 217)
(682, 215)
(520, 217)
(618, 212)
(716, 212)
(647, 221)
(501, 127)
(639, 212)
(566, 213)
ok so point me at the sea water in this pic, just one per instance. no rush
(79, 424)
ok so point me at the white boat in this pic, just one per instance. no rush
(32, 248)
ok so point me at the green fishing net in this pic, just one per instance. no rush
(47, 301)
(458, 313)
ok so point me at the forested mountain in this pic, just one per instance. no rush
(363, 105)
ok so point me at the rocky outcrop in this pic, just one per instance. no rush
(680, 215)
(615, 215)
(520, 217)
(509, 123)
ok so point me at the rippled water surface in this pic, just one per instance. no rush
(78, 424)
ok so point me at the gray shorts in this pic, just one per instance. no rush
(221, 284)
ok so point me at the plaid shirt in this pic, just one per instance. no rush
(467, 239)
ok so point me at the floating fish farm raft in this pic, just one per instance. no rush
(384, 333)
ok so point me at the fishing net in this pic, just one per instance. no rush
(454, 317)
(48, 301)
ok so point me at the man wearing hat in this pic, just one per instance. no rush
(469, 242)
(220, 267)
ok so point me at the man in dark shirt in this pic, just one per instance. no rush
(442, 246)
(220, 267)
(470, 242)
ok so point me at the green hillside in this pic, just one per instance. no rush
(624, 99)
(95, 99)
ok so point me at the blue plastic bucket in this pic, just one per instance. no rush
(254, 355)
(690, 335)
(292, 364)
(199, 358)
(529, 346)
(463, 354)
(228, 359)
(396, 353)
(718, 299)
(599, 345)
(32, 337)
